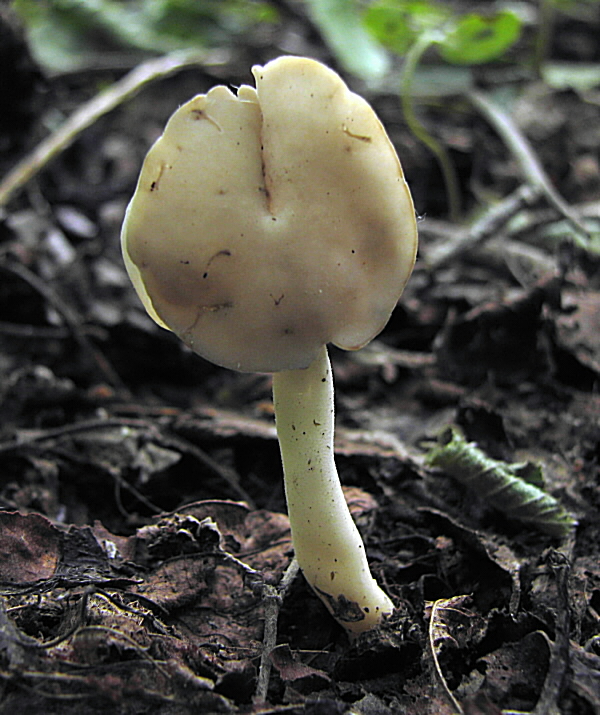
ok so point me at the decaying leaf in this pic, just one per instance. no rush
(512, 488)
(29, 548)
(173, 611)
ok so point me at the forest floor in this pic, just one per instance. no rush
(143, 535)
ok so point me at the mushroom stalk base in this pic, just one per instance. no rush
(327, 543)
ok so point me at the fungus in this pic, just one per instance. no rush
(265, 225)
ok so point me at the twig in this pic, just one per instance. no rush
(90, 112)
(273, 598)
(34, 332)
(70, 317)
(544, 34)
(36, 436)
(166, 439)
(484, 227)
(229, 476)
(272, 602)
(559, 658)
(524, 153)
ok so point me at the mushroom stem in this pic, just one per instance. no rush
(327, 543)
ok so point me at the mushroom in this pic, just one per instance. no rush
(265, 225)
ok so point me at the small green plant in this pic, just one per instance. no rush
(411, 27)
(470, 38)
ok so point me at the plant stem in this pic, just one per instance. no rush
(412, 59)
(328, 546)
(543, 38)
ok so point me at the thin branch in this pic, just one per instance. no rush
(483, 228)
(229, 476)
(70, 317)
(524, 153)
(272, 598)
(559, 658)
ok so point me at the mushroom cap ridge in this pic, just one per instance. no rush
(267, 224)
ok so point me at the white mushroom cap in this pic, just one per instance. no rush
(267, 224)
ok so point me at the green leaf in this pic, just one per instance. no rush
(397, 24)
(476, 39)
(340, 24)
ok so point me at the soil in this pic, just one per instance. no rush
(143, 536)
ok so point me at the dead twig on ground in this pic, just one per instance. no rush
(559, 659)
(525, 155)
(273, 598)
(167, 440)
(485, 227)
(71, 319)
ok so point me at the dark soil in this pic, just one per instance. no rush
(142, 526)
